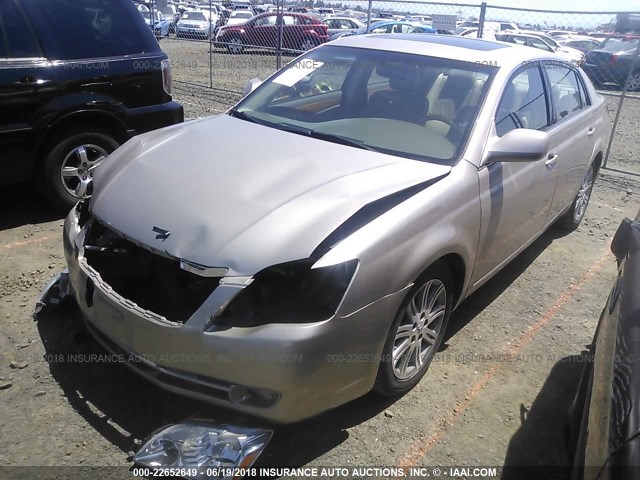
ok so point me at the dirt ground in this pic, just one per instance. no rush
(497, 393)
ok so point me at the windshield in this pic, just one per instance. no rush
(613, 45)
(402, 104)
(197, 16)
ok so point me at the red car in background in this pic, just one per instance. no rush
(299, 32)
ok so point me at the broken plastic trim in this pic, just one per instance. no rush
(203, 449)
(55, 293)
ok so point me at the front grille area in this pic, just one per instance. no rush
(153, 282)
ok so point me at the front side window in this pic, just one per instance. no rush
(17, 39)
(266, 20)
(375, 100)
(565, 89)
(523, 103)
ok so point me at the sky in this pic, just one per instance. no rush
(569, 21)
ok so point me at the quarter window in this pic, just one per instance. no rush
(523, 103)
(565, 90)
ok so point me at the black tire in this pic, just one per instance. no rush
(56, 151)
(236, 44)
(307, 44)
(574, 215)
(388, 383)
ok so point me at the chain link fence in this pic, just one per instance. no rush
(214, 48)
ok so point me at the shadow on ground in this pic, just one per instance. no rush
(125, 409)
(22, 204)
(537, 449)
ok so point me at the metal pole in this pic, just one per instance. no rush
(622, 97)
(279, 20)
(483, 12)
(369, 14)
(211, 31)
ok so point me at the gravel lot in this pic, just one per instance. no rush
(497, 393)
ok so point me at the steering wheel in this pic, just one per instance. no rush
(455, 130)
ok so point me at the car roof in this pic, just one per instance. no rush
(476, 50)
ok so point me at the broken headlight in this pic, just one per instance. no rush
(292, 292)
(202, 449)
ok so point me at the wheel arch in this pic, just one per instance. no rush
(81, 119)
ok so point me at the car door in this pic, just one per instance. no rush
(263, 32)
(515, 197)
(26, 82)
(293, 31)
(575, 124)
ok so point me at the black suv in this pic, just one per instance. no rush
(77, 79)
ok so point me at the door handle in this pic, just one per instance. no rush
(31, 81)
(591, 131)
(551, 161)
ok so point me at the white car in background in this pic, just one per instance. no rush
(339, 25)
(238, 17)
(196, 24)
(568, 54)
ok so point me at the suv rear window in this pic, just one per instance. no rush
(93, 28)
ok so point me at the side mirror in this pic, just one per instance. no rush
(518, 145)
(250, 86)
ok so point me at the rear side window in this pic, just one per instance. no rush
(94, 28)
(565, 90)
(523, 103)
(17, 39)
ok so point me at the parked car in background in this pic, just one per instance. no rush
(388, 26)
(238, 17)
(196, 24)
(415, 164)
(605, 418)
(493, 26)
(612, 62)
(339, 25)
(581, 42)
(172, 14)
(559, 34)
(567, 54)
(77, 81)
(158, 23)
(299, 32)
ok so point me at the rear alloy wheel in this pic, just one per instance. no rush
(307, 44)
(66, 175)
(235, 46)
(416, 333)
(634, 82)
(572, 218)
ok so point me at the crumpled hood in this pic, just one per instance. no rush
(240, 195)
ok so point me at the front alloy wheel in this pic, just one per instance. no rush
(417, 332)
(419, 329)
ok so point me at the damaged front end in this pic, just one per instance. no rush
(153, 281)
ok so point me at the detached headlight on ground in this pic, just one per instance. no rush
(211, 449)
(292, 292)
